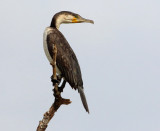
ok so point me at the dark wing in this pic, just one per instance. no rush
(66, 59)
(67, 62)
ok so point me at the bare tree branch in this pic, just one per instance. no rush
(58, 99)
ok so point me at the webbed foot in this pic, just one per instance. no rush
(60, 89)
(54, 81)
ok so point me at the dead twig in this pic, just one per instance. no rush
(58, 99)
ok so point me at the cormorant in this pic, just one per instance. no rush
(67, 66)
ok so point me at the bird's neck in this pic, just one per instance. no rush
(54, 24)
(56, 21)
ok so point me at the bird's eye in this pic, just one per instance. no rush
(76, 16)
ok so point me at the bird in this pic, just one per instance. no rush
(67, 65)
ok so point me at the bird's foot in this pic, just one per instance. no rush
(60, 89)
(54, 81)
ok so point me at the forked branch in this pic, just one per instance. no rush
(58, 99)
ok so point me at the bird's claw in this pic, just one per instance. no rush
(60, 89)
(54, 81)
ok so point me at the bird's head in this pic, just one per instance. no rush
(66, 17)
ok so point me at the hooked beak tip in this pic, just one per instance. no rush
(89, 21)
(83, 20)
(92, 22)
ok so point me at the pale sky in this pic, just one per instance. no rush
(119, 57)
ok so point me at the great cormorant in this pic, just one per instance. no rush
(67, 65)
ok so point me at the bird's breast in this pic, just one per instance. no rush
(47, 31)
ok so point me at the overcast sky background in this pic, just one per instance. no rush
(119, 57)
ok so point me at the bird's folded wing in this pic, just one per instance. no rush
(66, 59)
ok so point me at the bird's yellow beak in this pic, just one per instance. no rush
(82, 20)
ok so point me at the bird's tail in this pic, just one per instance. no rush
(83, 98)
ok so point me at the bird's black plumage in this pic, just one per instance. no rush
(66, 59)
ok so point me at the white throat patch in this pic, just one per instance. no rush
(59, 21)
(63, 19)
